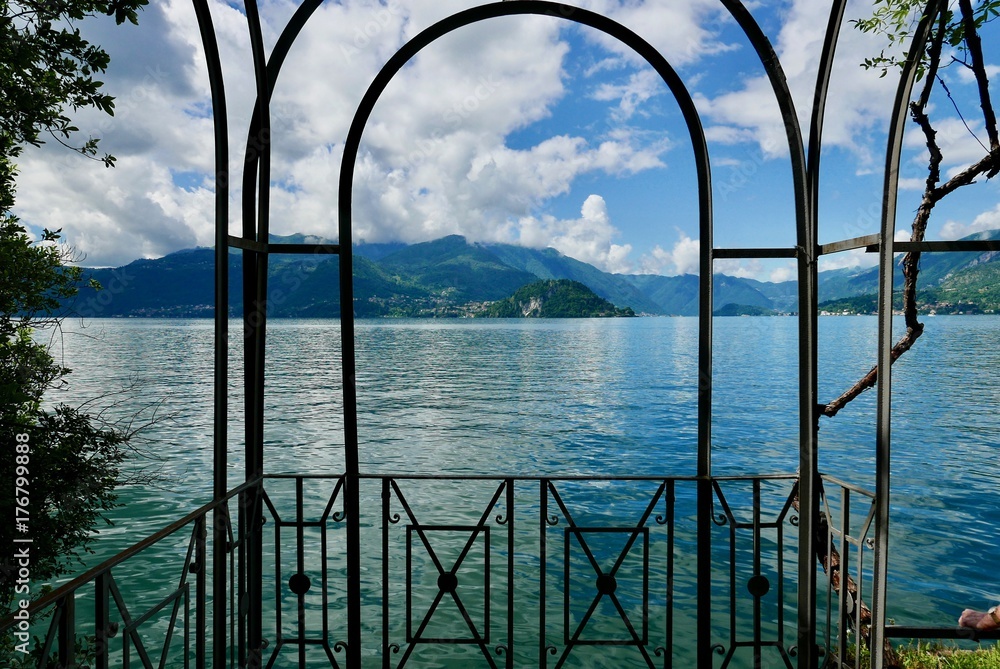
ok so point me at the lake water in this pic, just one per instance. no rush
(588, 397)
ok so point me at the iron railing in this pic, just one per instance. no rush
(541, 571)
(485, 571)
(91, 622)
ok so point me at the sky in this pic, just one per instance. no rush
(527, 130)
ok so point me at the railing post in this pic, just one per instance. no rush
(102, 620)
(220, 421)
(845, 561)
(201, 594)
(543, 514)
(386, 498)
(511, 553)
(67, 631)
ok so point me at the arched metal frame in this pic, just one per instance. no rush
(805, 177)
(352, 144)
(806, 236)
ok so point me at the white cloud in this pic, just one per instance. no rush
(449, 147)
(847, 259)
(961, 143)
(132, 211)
(686, 255)
(434, 156)
(683, 258)
(743, 269)
(588, 238)
(914, 184)
(987, 220)
(683, 31)
(966, 75)
(782, 274)
(136, 209)
(640, 88)
(858, 100)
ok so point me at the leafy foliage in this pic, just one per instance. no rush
(73, 472)
(73, 465)
(896, 20)
(935, 656)
(46, 66)
(32, 283)
(47, 71)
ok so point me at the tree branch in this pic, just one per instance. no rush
(934, 60)
(975, 45)
(933, 193)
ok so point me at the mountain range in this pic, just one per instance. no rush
(450, 276)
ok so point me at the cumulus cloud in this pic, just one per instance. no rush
(641, 87)
(743, 268)
(684, 31)
(782, 274)
(453, 145)
(914, 184)
(587, 238)
(158, 198)
(435, 157)
(682, 258)
(858, 101)
(962, 142)
(987, 220)
(848, 259)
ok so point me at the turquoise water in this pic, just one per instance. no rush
(582, 397)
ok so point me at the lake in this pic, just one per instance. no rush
(581, 397)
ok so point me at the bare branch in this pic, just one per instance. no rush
(989, 165)
(934, 58)
(869, 379)
(975, 44)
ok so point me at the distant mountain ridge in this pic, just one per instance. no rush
(443, 277)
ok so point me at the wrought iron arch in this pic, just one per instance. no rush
(805, 227)
(255, 226)
(351, 148)
(805, 178)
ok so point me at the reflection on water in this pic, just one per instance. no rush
(587, 397)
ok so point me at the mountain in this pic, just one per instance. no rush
(555, 298)
(678, 295)
(453, 267)
(452, 277)
(550, 264)
(744, 310)
(970, 290)
(179, 285)
(934, 268)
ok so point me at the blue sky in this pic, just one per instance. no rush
(527, 130)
